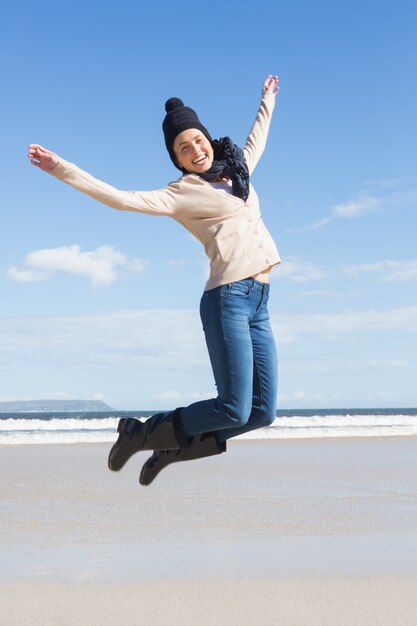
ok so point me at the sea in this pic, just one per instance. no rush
(101, 427)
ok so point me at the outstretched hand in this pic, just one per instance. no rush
(271, 85)
(42, 158)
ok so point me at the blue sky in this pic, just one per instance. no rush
(101, 304)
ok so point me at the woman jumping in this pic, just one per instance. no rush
(216, 202)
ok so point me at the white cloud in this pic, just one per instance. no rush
(100, 266)
(393, 271)
(99, 396)
(177, 264)
(187, 396)
(328, 293)
(298, 270)
(56, 395)
(151, 339)
(380, 397)
(320, 223)
(132, 356)
(341, 326)
(356, 208)
(174, 340)
(309, 399)
(362, 205)
(389, 183)
(394, 191)
(388, 193)
(340, 365)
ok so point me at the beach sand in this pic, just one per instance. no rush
(296, 532)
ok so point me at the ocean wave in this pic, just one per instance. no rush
(58, 424)
(70, 430)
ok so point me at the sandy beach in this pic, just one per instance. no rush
(274, 532)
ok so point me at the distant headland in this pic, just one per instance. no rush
(50, 406)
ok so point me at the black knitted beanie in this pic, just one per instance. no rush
(178, 118)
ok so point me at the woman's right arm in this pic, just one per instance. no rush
(160, 202)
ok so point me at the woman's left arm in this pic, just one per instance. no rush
(256, 141)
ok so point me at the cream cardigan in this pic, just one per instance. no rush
(231, 230)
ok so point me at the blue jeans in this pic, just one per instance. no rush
(243, 358)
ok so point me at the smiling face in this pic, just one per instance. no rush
(193, 151)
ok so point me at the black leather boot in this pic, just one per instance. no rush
(159, 432)
(201, 446)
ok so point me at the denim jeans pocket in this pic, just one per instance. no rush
(238, 289)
